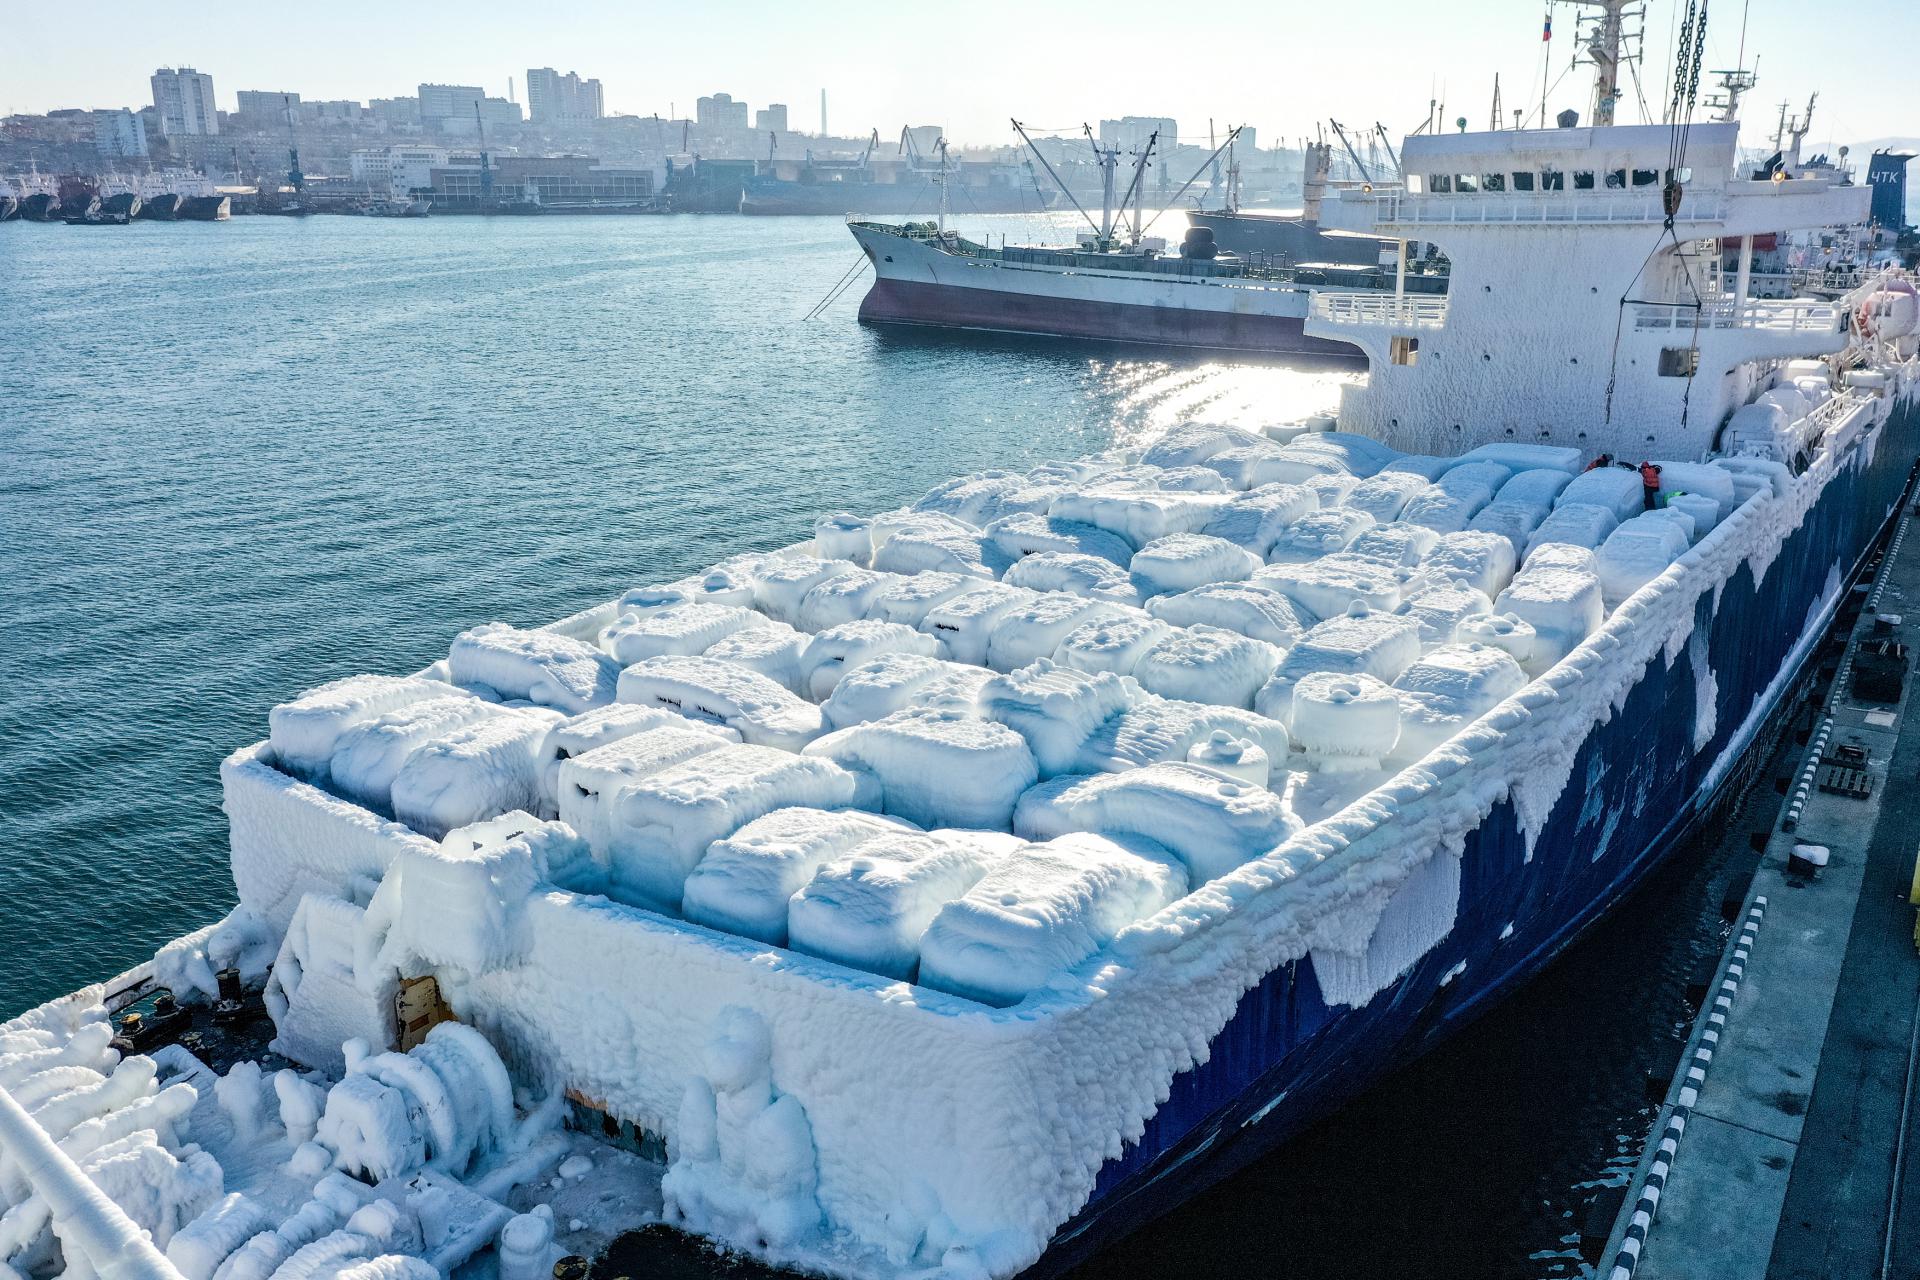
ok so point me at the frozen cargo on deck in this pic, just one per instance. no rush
(590, 783)
(1155, 730)
(367, 757)
(763, 712)
(849, 644)
(1115, 645)
(937, 767)
(677, 629)
(1615, 489)
(304, 732)
(1135, 516)
(1035, 631)
(1257, 610)
(1207, 664)
(1364, 642)
(478, 771)
(1075, 573)
(1056, 709)
(745, 881)
(539, 666)
(1448, 689)
(1028, 532)
(580, 734)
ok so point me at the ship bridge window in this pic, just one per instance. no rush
(1552, 180)
(1522, 180)
(1583, 179)
(1616, 179)
(1645, 177)
(1494, 182)
(1465, 183)
(1440, 183)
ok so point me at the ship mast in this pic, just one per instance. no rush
(1607, 38)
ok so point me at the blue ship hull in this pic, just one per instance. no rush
(1639, 789)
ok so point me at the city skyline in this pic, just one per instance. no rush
(765, 53)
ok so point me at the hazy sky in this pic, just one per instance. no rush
(968, 66)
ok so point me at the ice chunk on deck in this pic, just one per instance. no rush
(1527, 457)
(1448, 690)
(744, 882)
(539, 666)
(1156, 729)
(1384, 496)
(1381, 645)
(1576, 524)
(1190, 480)
(764, 713)
(1137, 517)
(1115, 645)
(1345, 722)
(1425, 465)
(938, 766)
(967, 554)
(1207, 664)
(591, 782)
(1538, 487)
(1042, 910)
(907, 599)
(1254, 519)
(849, 644)
(981, 499)
(1317, 534)
(1615, 489)
(906, 520)
(580, 734)
(1035, 630)
(368, 756)
(1700, 478)
(681, 628)
(1181, 561)
(870, 908)
(1055, 708)
(1445, 511)
(1512, 636)
(1329, 588)
(661, 825)
(843, 598)
(1212, 824)
(305, 731)
(1440, 610)
(478, 771)
(1192, 443)
(1257, 610)
(1082, 575)
(772, 651)
(1241, 466)
(779, 587)
(1481, 560)
(1514, 521)
(1557, 555)
(1676, 517)
(1399, 545)
(1564, 607)
(1702, 510)
(729, 582)
(875, 689)
(844, 536)
(1469, 476)
(1635, 554)
(1027, 533)
(964, 623)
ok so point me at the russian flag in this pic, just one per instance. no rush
(1546, 31)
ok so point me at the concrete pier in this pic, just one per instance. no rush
(1786, 1145)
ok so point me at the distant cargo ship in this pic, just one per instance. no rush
(911, 185)
(1288, 237)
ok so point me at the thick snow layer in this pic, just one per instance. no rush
(1678, 518)
(368, 756)
(1211, 823)
(580, 734)
(1075, 573)
(1319, 533)
(1557, 555)
(661, 825)
(907, 599)
(1384, 496)
(1617, 489)
(1139, 517)
(539, 666)
(1193, 443)
(1396, 544)
(743, 883)
(1182, 561)
(1255, 518)
(1702, 510)
(907, 520)
(844, 536)
(313, 996)
(1167, 730)
(1056, 709)
(1242, 466)
(938, 767)
(1635, 554)
(1425, 465)
(305, 731)
(1030, 532)
(1449, 689)
(1328, 588)
(1207, 664)
(964, 623)
(967, 554)
(1514, 521)
(590, 783)
(772, 651)
(1538, 487)
(703, 688)
(829, 654)
(1576, 525)
(1257, 610)
(980, 500)
(1527, 457)
(1201, 479)
(1115, 645)
(1471, 476)
(1482, 560)
(847, 597)
(1446, 511)
(1563, 606)
(478, 771)
(1503, 631)
(1035, 630)
(677, 629)
(878, 687)
(1380, 645)
(870, 908)
(780, 586)
(1042, 910)
(1344, 722)
(1241, 759)
(1441, 609)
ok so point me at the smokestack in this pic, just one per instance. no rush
(823, 113)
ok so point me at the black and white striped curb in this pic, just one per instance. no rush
(1804, 788)
(1635, 1237)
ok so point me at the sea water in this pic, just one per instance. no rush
(240, 459)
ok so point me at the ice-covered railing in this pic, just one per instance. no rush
(1542, 207)
(1727, 313)
(1377, 309)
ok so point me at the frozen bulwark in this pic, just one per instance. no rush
(893, 876)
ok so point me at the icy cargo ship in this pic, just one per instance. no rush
(961, 886)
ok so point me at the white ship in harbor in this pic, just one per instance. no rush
(950, 892)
